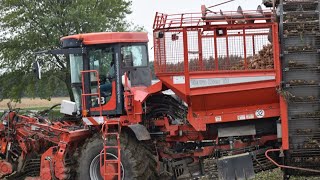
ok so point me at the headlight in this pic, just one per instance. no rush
(5, 122)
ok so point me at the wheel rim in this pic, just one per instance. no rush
(95, 173)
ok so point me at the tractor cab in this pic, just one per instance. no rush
(99, 65)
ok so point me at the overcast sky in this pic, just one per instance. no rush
(145, 10)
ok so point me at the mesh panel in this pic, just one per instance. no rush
(169, 52)
(193, 51)
(215, 50)
(208, 53)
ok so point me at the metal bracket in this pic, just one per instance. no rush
(140, 131)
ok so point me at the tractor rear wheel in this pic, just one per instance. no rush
(136, 161)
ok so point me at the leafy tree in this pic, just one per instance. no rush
(28, 26)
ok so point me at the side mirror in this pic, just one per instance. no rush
(37, 69)
(174, 37)
(159, 35)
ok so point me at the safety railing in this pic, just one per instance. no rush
(207, 17)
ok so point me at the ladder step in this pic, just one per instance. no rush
(111, 161)
(93, 94)
(113, 123)
(109, 174)
(113, 147)
(112, 133)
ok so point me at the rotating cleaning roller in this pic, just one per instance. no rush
(221, 15)
(235, 16)
(212, 16)
(258, 14)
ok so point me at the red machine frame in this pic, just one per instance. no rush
(213, 103)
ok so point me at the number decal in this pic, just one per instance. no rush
(102, 100)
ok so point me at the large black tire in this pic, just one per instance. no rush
(137, 161)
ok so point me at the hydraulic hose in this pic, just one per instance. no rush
(284, 166)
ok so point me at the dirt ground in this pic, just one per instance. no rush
(276, 174)
(27, 103)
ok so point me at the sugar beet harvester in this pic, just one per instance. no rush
(230, 86)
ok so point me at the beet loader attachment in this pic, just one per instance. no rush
(225, 66)
(222, 64)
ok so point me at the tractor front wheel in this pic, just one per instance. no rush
(136, 161)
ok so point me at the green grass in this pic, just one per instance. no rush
(53, 114)
(277, 174)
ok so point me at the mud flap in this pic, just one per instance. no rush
(236, 167)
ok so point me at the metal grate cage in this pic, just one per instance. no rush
(223, 47)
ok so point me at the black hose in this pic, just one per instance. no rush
(46, 111)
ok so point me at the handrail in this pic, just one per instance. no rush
(83, 94)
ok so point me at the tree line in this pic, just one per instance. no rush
(29, 26)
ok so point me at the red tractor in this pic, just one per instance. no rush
(242, 102)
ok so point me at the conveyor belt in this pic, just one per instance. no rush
(300, 41)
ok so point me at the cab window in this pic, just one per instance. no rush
(134, 55)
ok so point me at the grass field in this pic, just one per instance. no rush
(28, 103)
(38, 104)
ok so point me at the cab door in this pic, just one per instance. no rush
(103, 60)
